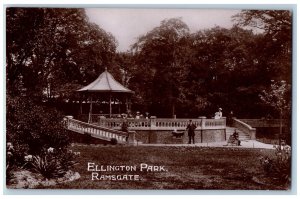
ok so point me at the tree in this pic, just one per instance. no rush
(273, 56)
(211, 68)
(217, 67)
(50, 52)
(158, 58)
(50, 48)
(222, 70)
(273, 22)
(124, 62)
(276, 46)
(278, 97)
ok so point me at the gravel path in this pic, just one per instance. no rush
(244, 144)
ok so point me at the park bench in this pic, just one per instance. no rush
(177, 134)
(232, 141)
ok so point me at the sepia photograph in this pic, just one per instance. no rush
(144, 98)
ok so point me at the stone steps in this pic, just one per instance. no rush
(242, 135)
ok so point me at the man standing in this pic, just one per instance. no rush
(191, 131)
(230, 119)
(124, 127)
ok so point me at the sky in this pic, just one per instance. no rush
(126, 25)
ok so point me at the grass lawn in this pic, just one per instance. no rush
(198, 168)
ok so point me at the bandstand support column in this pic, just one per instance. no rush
(126, 103)
(109, 105)
(80, 111)
(90, 112)
(119, 105)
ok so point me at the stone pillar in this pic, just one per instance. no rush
(203, 119)
(253, 134)
(152, 122)
(224, 118)
(233, 121)
(67, 120)
(131, 137)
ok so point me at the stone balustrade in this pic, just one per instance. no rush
(264, 122)
(152, 130)
(96, 131)
(162, 123)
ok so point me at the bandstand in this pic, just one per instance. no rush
(106, 88)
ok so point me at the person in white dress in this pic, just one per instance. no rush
(218, 115)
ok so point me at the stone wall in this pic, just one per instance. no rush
(166, 137)
(214, 135)
(85, 138)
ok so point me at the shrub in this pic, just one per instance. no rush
(67, 159)
(39, 139)
(34, 126)
(9, 173)
(9, 161)
(47, 166)
(52, 163)
(14, 158)
(279, 167)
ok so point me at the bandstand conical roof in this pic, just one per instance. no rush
(105, 83)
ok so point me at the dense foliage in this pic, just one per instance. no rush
(279, 168)
(49, 53)
(31, 127)
(52, 52)
(195, 73)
